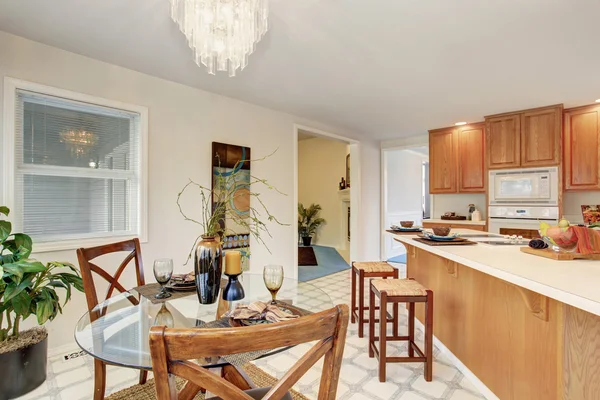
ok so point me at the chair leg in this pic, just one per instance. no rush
(382, 335)
(361, 303)
(353, 294)
(429, 337)
(411, 329)
(99, 379)
(371, 321)
(143, 377)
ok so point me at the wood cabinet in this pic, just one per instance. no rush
(528, 138)
(456, 159)
(442, 161)
(471, 159)
(582, 148)
(526, 233)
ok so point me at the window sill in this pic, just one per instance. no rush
(78, 243)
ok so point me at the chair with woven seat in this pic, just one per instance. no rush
(85, 256)
(362, 270)
(172, 348)
(400, 291)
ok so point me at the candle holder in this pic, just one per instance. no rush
(234, 289)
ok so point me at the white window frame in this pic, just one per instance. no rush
(11, 85)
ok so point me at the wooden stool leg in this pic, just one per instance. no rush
(396, 320)
(429, 336)
(143, 377)
(353, 294)
(411, 329)
(371, 321)
(361, 303)
(99, 379)
(382, 336)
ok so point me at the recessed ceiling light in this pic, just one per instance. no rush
(464, 123)
(598, 101)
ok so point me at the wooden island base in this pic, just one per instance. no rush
(520, 344)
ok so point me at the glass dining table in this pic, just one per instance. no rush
(117, 330)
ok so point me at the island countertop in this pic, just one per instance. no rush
(454, 221)
(575, 283)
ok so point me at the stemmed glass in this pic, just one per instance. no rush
(163, 270)
(273, 277)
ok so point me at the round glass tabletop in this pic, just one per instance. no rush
(120, 335)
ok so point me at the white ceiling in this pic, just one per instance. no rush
(383, 68)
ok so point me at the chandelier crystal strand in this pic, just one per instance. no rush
(221, 33)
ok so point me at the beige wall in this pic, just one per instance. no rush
(183, 122)
(321, 165)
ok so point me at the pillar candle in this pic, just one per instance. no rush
(233, 263)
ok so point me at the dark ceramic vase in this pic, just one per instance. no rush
(208, 262)
(23, 370)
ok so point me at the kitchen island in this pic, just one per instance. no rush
(528, 327)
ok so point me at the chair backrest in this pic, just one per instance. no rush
(172, 348)
(85, 257)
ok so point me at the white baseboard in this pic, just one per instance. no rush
(485, 391)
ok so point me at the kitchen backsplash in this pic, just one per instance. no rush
(459, 203)
(572, 202)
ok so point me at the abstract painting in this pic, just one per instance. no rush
(231, 167)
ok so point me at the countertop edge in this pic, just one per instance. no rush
(552, 292)
(456, 222)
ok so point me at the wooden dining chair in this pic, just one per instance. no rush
(171, 350)
(85, 257)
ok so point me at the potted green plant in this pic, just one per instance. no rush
(309, 222)
(27, 288)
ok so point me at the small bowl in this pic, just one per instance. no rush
(407, 224)
(441, 230)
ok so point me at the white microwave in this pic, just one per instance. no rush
(524, 186)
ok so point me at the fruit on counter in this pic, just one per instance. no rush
(538, 244)
(544, 228)
(564, 224)
(562, 236)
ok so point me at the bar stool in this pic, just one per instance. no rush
(371, 269)
(401, 291)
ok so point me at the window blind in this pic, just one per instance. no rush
(76, 169)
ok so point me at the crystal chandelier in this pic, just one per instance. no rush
(222, 33)
(79, 142)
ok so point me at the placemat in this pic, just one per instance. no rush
(403, 232)
(450, 243)
(149, 290)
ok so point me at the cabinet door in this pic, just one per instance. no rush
(503, 141)
(442, 161)
(471, 149)
(541, 136)
(582, 148)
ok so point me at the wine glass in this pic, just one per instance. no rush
(163, 270)
(273, 277)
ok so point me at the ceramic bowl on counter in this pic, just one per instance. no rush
(441, 230)
(407, 224)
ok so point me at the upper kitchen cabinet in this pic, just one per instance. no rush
(503, 141)
(471, 159)
(442, 161)
(541, 136)
(528, 138)
(582, 148)
(456, 159)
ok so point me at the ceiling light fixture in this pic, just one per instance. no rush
(78, 141)
(460, 123)
(221, 33)
(598, 101)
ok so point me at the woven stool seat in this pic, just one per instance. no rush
(399, 287)
(374, 266)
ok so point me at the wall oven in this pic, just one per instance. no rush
(531, 186)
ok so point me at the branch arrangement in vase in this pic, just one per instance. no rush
(223, 193)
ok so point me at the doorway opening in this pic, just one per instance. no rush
(327, 185)
(405, 194)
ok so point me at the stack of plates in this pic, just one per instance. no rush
(397, 228)
(182, 282)
(431, 236)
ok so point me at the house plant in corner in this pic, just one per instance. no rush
(309, 222)
(27, 289)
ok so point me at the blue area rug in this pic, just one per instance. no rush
(329, 260)
(398, 259)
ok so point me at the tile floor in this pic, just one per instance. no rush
(72, 380)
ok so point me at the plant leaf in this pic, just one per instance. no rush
(31, 266)
(44, 310)
(5, 228)
(13, 269)
(20, 304)
(13, 290)
(4, 210)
